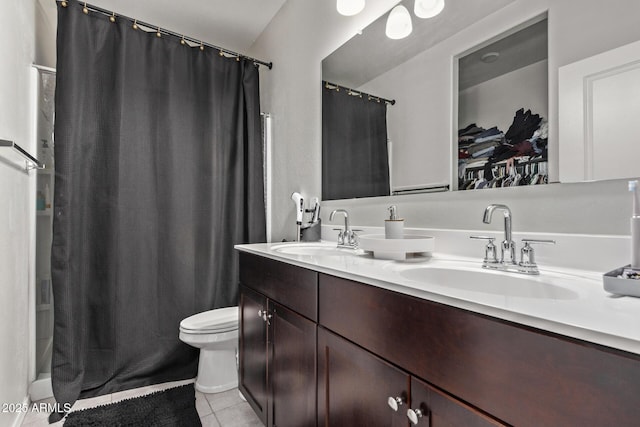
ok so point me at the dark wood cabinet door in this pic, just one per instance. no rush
(354, 386)
(292, 369)
(438, 409)
(252, 375)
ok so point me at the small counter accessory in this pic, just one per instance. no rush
(394, 226)
(312, 230)
(299, 201)
(626, 280)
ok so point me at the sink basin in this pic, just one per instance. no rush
(490, 282)
(311, 249)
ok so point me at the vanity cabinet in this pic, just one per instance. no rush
(519, 375)
(277, 341)
(328, 351)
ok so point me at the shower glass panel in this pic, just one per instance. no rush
(45, 113)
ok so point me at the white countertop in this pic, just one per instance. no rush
(584, 309)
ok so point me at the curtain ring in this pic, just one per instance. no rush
(112, 18)
(221, 53)
(85, 9)
(63, 3)
(158, 33)
(182, 41)
(135, 24)
(238, 58)
(201, 47)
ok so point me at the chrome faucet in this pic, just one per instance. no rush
(527, 264)
(508, 246)
(346, 238)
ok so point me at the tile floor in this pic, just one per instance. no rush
(225, 409)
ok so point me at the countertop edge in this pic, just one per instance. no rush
(570, 331)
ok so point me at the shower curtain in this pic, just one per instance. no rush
(355, 158)
(158, 174)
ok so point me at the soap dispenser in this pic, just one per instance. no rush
(394, 226)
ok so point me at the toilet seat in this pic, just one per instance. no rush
(211, 322)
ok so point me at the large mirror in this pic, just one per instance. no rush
(424, 75)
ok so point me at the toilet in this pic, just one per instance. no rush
(215, 333)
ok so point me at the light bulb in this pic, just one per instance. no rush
(349, 7)
(428, 8)
(398, 23)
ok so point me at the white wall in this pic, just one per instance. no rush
(301, 34)
(305, 31)
(494, 102)
(46, 27)
(17, 208)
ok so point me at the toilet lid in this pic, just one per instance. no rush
(219, 320)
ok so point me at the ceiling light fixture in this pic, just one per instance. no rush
(349, 7)
(398, 23)
(428, 8)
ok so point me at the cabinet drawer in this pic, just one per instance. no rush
(291, 286)
(521, 375)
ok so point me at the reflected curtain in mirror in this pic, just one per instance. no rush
(355, 158)
(159, 174)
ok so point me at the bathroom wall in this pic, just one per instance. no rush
(17, 205)
(304, 32)
(46, 27)
(301, 34)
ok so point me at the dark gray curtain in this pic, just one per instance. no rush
(158, 175)
(355, 160)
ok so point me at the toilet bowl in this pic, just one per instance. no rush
(215, 333)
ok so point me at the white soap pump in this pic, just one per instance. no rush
(635, 225)
(394, 226)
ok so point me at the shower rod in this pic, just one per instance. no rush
(337, 87)
(159, 30)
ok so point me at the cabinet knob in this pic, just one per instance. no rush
(264, 314)
(414, 415)
(395, 402)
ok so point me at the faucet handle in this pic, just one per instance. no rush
(351, 238)
(527, 241)
(490, 252)
(527, 255)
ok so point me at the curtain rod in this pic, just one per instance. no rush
(357, 92)
(159, 30)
